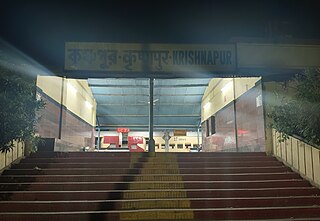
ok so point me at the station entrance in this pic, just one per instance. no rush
(189, 115)
(150, 93)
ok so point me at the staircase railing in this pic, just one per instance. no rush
(301, 156)
(7, 158)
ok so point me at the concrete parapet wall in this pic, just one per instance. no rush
(7, 158)
(300, 156)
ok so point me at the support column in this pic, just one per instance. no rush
(61, 107)
(235, 115)
(99, 131)
(198, 135)
(151, 144)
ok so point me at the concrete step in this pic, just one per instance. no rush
(69, 186)
(254, 164)
(172, 214)
(156, 193)
(136, 186)
(156, 169)
(148, 159)
(127, 154)
(106, 171)
(146, 177)
(96, 205)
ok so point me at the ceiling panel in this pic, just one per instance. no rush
(124, 102)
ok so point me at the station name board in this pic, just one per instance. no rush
(113, 57)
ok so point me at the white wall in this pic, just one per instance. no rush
(74, 101)
(220, 92)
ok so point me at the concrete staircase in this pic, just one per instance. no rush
(88, 186)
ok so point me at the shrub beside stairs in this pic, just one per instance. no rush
(90, 186)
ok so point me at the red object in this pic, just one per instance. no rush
(123, 130)
(111, 139)
(135, 141)
(240, 132)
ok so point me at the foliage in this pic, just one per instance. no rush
(19, 105)
(300, 114)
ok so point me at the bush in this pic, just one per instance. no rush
(18, 108)
(300, 114)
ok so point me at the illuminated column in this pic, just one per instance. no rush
(151, 144)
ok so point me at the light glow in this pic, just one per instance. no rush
(71, 88)
(207, 105)
(226, 87)
(88, 104)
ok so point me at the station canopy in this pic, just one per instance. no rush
(125, 103)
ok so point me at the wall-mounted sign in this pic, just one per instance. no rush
(123, 130)
(259, 100)
(179, 133)
(117, 57)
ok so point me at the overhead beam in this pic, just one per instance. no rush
(146, 86)
(104, 94)
(155, 128)
(146, 95)
(145, 115)
(145, 125)
(119, 85)
(146, 104)
(177, 95)
(181, 85)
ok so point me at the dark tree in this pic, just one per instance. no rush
(18, 108)
(300, 114)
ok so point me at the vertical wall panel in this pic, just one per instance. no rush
(308, 162)
(2, 160)
(289, 151)
(283, 151)
(302, 167)
(14, 151)
(316, 165)
(274, 141)
(23, 149)
(278, 145)
(295, 155)
(19, 150)
(9, 158)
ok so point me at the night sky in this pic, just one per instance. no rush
(40, 28)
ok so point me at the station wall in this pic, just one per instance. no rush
(220, 130)
(72, 100)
